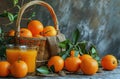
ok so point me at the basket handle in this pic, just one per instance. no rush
(42, 3)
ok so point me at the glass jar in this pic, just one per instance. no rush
(24, 53)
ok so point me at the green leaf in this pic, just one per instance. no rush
(97, 58)
(2, 50)
(62, 53)
(83, 45)
(33, 15)
(43, 70)
(15, 16)
(10, 16)
(18, 7)
(64, 44)
(93, 50)
(76, 53)
(15, 2)
(52, 69)
(64, 56)
(4, 14)
(75, 36)
(0, 30)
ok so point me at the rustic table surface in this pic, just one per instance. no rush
(115, 74)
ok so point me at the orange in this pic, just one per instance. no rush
(35, 27)
(19, 69)
(49, 31)
(11, 32)
(89, 66)
(57, 62)
(109, 62)
(72, 53)
(85, 56)
(24, 32)
(72, 64)
(38, 36)
(4, 68)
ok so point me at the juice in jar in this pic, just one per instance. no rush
(27, 54)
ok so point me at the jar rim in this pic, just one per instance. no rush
(21, 46)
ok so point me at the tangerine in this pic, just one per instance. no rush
(4, 68)
(89, 66)
(72, 53)
(24, 32)
(11, 32)
(109, 62)
(85, 56)
(72, 64)
(35, 27)
(57, 62)
(19, 69)
(38, 36)
(49, 31)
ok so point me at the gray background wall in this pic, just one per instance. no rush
(97, 20)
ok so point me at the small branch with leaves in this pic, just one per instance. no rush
(12, 16)
(82, 47)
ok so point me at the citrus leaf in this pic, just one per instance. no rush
(52, 69)
(0, 30)
(93, 50)
(10, 16)
(15, 16)
(4, 14)
(2, 51)
(18, 6)
(64, 44)
(43, 70)
(64, 56)
(83, 45)
(62, 53)
(15, 2)
(33, 15)
(75, 36)
(76, 53)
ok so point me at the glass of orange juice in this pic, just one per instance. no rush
(23, 52)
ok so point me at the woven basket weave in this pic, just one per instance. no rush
(47, 45)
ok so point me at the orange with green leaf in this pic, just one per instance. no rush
(57, 62)
(80, 48)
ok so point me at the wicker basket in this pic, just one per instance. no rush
(47, 45)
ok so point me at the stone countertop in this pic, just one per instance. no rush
(115, 74)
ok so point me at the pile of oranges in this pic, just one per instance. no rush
(18, 69)
(85, 63)
(35, 29)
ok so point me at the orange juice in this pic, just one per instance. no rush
(26, 54)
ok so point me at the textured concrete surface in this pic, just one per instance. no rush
(115, 74)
